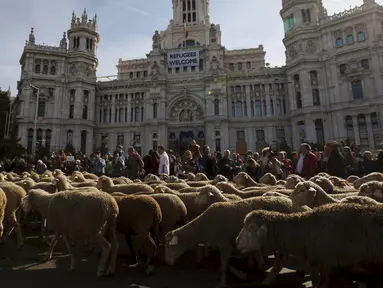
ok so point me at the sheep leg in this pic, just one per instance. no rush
(14, 224)
(71, 253)
(114, 251)
(277, 267)
(259, 258)
(48, 256)
(238, 273)
(106, 247)
(151, 250)
(225, 256)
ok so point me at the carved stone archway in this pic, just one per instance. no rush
(186, 110)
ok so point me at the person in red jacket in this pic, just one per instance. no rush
(307, 162)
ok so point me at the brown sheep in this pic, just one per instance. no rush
(29, 184)
(292, 181)
(376, 176)
(351, 179)
(15, 195)
(372, 189)
(200, 177)
(176, 186)
(228, 188)
(106, 184)
(244, 179)
(139, 219)
(268, 179)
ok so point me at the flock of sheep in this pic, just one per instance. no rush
(330, 225)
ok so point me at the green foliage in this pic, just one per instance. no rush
(11, 148)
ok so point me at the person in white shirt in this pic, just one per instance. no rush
(164, 166)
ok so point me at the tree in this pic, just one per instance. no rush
(5, 103)
(10, 148)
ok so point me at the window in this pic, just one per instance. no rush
(375, 129)
(39, 136)
(241, 137)
(48, 139)
(53, 70)
(303, 15)
(45, 69)
(138, 75)
(216, 107)
(258, 108)
(308, 16)
(339, 42)
(301, 131)
(280, 133)
(363, 133)
(170, 70)
(105, 116)
(84, 135)
(277, 107)
(69, 137)
(365, 64)
(185, 69)
(192, 68)
(238, 109)
(126, 115)
(361, 36)
(131, 75)
(71, 111)
(137, 114)
(200, 65)
(357, 89)
(264, 108)
(248, 66)
(85, 112)
(189, 43)
(244, 108)
(289, 23)
(120, 139)
(231, 67)
(239, 66)
(296, 81)
(154, 110)
(177, 70)
(314, 77)
(261, 141)
(319, 131)
(272, 107)
(233, 108)
(38, 68)
(110, 115)
(316, 99)
(30, 141)
(145, 74)
(299, 100)
(41, 109)
(284, 106)
(350, 39)
(218, 144)
(51, 92)
(252, 108)
(342, 69)
(142, 114)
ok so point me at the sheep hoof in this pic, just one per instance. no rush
(150, 270)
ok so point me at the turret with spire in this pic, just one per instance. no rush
(84, 21)
(32, 40)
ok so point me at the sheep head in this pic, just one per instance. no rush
(372, 189)
(305, 193)
(164, 176)
(339, 182)
(324, 174)
(206, 195)
(351, 179)
(253, 234)
(175, 246)
(225, 186)
(151, 177)
(268, 179)
(190, 176)
(324, 183)
(241, 179)
(292, 181)
(219, 178)
(104, 182)
(201, 177)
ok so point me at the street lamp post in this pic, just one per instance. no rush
(35, 120)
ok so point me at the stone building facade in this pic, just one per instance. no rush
(330, 88)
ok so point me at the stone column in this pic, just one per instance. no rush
(290, 97)
(356, 129)
(267, 98)
(295, 135)
(89, 142)
(77, 138)
(375, 63)
(305, 88)
(310, 129)
(248, 102)
(371, 142)
(113, 109)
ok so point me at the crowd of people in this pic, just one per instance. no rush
(335, 160)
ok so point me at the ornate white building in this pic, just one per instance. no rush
(330, 88)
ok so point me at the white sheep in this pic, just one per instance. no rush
(376, 176)
(373, 189)
(90, 215)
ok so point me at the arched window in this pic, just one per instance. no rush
(53, 70)
(155, 110)
(71, 111)
(238, 109)
(48, 139)
(361, 36)
(272, 107)
(69, 137)
(41, 108)
(30, 141)
(264, 108)
(137, 114)
(363, 134)
(39, 136)
(84, 135)
(85, 112)
(216, 107)
(45, 69)
(258, 108)
(357, 89)
(37, 68)
(339, 42)
(342, 69)
(350, 39)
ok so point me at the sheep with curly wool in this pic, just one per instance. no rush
(268, 179)
(337, 181)
(38, 200)
(3, 205)
(119, 181)
(15, 195)
(173, 179)
(197, 184)
(165, 190)
(372, 189)
(324, 174)
(90, 176)
(190, 176)
(228, 188)
(210, 194)
(28, 184)
(176, 186)
(361, 200)
(375, 176)
(139, 220)
(219, 178)
(351, 179)
(62, 184)
(91, 215)
(188, 190)
(324, 248)
(3, 178)
(151, 177)
(12, 178)
(324, 183)
(201, 177)
(244, 179)
(275, 194)
(292, 181)
(106, 184)
(219, 226)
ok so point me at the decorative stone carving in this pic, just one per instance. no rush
(73, 70)
(348, 31)
(359, 27)
(213, 33)
(155, 71)
(310, 47)
(293, 51)
(186, 111)
(338, 34)
(215, 67)
(156, 40)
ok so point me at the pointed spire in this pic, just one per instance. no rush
(9, 91)
(73, 17)
(84, 16)
(32, 37)
(95, 19)
(63, 42)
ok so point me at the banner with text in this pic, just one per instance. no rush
(183, 59)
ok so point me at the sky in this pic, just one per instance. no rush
(126, 27)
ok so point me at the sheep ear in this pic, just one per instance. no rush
(318, 181)
(76, 177)
(174, 241)
(24, 183)
(262, 231)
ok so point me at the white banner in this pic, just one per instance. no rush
(183, 59)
